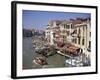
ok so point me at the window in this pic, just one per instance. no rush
(90, 34)
(67, 26)
(83, 28)
(53, 34)
(64, 26)
(89, 44)
(79, 31)
(89, 47)
(83, 41)
(74, 40)
(79, 40)
(75, 31)
(67, 33)
(63, 37)
(71, 26)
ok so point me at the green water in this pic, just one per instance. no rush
(29, 54)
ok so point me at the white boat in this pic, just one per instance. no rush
(74, 62)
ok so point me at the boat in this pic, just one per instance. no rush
(40, 61)
(74, 63)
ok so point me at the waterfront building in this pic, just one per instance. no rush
(58, 31)
(82, 36)
(75, 31)
(52, 33)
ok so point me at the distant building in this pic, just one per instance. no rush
(33, 31)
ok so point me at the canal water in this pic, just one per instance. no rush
(29, 54)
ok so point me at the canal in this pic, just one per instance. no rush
(29, 54)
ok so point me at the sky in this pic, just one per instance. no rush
(39, 19)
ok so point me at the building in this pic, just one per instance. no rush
(66, 29)
(52, 33)
(58, 31)
(76, 32)
(82, 36)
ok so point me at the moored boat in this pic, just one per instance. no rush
(40, 61)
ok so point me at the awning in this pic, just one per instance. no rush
(71, 49)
